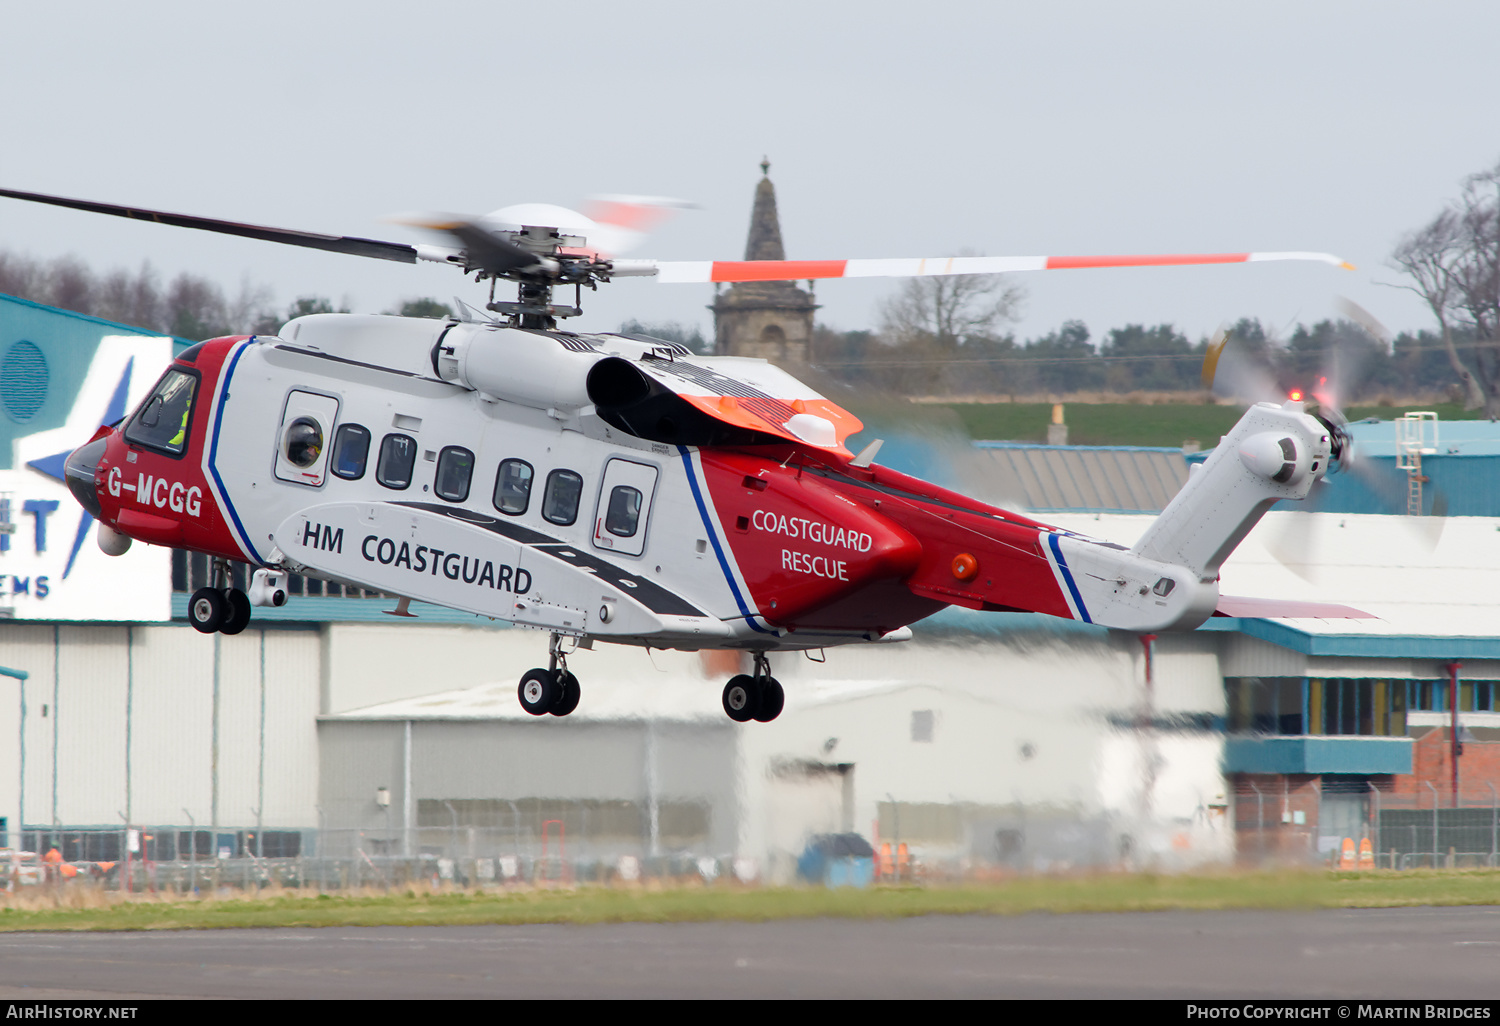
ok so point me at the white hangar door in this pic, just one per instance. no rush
(624, 509)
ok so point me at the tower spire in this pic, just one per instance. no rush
(764, 242)
(771, 320)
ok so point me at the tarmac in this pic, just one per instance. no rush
(1401, 954)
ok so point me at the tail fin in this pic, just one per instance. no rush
(1273, 453)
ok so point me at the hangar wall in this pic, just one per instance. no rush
(120, 723)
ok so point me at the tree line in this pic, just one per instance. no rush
(1134, 358)
(189, 306)
(945, 336)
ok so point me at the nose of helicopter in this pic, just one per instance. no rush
(79, 473)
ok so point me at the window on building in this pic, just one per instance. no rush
(624, 513)
(351, 448)
(1267, 705)
(560, 500)
(454, 471)
(513, 487)
(398, 455)
(921, 725)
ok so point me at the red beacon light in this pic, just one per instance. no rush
(1295, 395)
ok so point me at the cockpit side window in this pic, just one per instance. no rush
(163, 420)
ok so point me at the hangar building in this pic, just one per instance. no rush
(987, 741)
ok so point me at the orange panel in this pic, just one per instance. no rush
(776, 270)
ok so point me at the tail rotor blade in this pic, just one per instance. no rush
(1234, 371)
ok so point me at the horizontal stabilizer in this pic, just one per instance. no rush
(1263, 608)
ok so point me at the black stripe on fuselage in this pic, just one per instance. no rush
(360, 363)
(650, 594)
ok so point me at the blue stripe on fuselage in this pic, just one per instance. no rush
(713, 537)
(1062, 564)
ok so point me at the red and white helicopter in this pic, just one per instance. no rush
(620, 488)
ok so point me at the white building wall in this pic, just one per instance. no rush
(1023, 720)
(29, 648)
(293, 661)
(90, 711)
(171, 726)
(131, 711)
(368, 664)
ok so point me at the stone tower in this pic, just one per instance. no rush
(772, 320)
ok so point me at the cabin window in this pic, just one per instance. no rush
(164, 418)
(560, 501)
(454, 471)
(513, 487)
(398, 454)
(624, 513)
(351, 448)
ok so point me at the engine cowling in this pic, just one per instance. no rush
(518, 366)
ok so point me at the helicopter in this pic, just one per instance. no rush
(617, 487)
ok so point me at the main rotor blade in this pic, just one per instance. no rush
(688, 271)
(310, 240)
(488, 251)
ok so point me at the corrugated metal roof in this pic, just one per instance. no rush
(1084, 478)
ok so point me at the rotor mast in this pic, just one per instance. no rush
(560, 260)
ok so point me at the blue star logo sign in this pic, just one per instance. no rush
(52, 466)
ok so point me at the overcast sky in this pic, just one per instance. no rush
(893, 129)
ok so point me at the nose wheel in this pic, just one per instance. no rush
(553, 690)
(219, 608)
(756, 697)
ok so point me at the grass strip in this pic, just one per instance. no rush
(423, 907)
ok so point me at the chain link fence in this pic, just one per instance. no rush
(1309, 821)
(192, 860)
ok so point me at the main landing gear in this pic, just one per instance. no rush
(553, 690)
(219, 607)
(758, 697)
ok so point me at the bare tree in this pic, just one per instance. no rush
(190, 307)
(950, 310)
(1454, 261)
(131, 299)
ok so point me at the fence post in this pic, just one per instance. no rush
(1260, 820)
(1434, 823)
(1494, 821)
(1376, 792)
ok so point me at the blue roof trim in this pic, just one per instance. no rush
(1074, 448)
(1093, 509)
(144, 332)
(315, 609)
(1317, 754)
(958, 620)
(1366, 646)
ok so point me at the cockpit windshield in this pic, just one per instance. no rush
(163, 419)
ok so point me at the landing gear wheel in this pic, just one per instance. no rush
(237, 615)
(772, 698)
(207, 610)
(538, 692)
(568, 694)
(741, 697)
